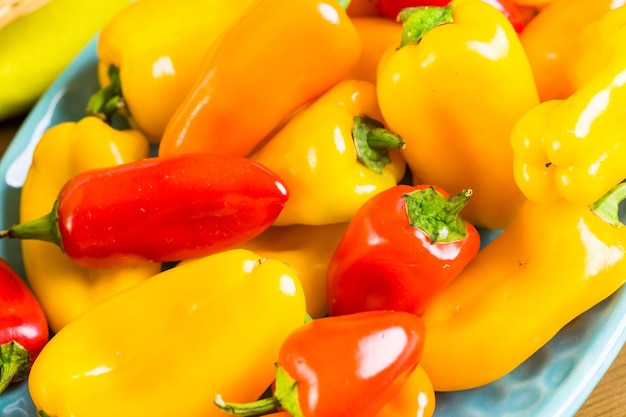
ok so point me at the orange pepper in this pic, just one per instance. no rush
(549, 40)
(362, 8)
(416, 398)
(294, 51)
(378, 34)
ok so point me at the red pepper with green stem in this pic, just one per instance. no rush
(391, 9)
(402, 247)
(23, 327)
(341, 366)
(159, 210)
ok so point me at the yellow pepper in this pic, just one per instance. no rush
(150, 55)
(554, 262)
(306, 249)
(333, 156)
(64, 289)
(167, 346)
(416, 398)
(453, 92)
(574, 148)
(549, 40)
(377, 34)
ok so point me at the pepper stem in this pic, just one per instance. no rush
(285, 397)
(417, 21)
(108, 101)
(14, 363)
(45, 228)
(437, 216)
(608, 206)
(372, 142)
(344, 4)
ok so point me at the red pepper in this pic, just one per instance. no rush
(160, 210)
(402, 247)
(391, 8)
(23, 327)
(342, 366)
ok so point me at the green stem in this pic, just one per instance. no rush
(417, 21)
(344, 4)
(437, 216)
(14, 363)
(255, 408)
(45, 228)
(607, 207)
(372, 142)
(108, 101)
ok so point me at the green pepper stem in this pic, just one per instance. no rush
(417, 21)
(344, 4)
(45, 228)
(437, 216)
(255, 408)
(108, 101)
(607, 207)
(14, 363)
(372, 142)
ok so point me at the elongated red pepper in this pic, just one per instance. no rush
(402, 247)
(342, 366)
(391, 9)
(23, 327)
(159, 210)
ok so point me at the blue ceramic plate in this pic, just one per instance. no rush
(552, 383)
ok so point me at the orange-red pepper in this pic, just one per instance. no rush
(294, 51)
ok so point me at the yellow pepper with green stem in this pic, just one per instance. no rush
(64, 289)
(574, 148)
(453, 92)
(553, 263)
(333, 155)
(150, 55)
(167, 346)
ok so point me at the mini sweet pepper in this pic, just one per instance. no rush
(64, 289)
(554, 262)
(453, 91)
(167, 346)
(574, 147)
(333, 155)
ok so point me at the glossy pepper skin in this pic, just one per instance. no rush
(416, 398)
(401, 248)
(157, 60)
(23, 327)
(574, 148)
(159, 210)
(391, 9)
(205, 326)
(554, 262)
(435, 95)
(549, 40)
(327, 160)
(343, 366)
(307, 250)
(241, 96)
(64, 289)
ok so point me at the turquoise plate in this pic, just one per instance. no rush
(552, 383)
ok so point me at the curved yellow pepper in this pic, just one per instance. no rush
(167, 346)
(316, 156)
(554, 262)
(575, 148)
(159, 50)
(306, 249)
(454, 95)
(64, 289)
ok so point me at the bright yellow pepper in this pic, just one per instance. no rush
(306, 249)
(574, 148)
(64, 289)
(328, 160)
(157, 50)
(453, 92)
(167, 346)
(554, 262)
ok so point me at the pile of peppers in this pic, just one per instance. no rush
(290, 222)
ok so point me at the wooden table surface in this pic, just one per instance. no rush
(607, 400)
